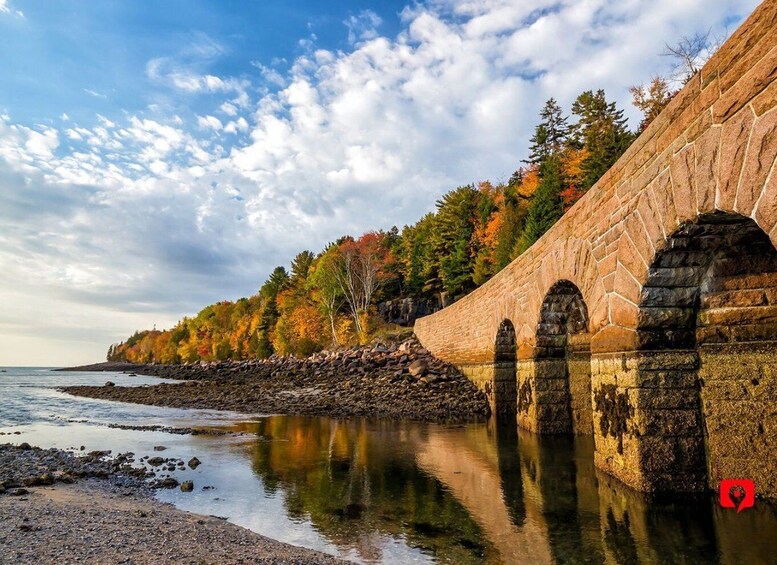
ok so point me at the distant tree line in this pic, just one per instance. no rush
(327, 299)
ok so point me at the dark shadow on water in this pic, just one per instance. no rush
(510, 471)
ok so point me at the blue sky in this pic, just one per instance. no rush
(156, 157)
(82, 57)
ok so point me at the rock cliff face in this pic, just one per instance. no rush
(405, 311)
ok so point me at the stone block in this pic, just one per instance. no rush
(759, 159)
(754, 81)
(664, 398)
(659, 422)
(662, 317)
(707, 155)
(734, 137)
(622, 312)
(683, 171)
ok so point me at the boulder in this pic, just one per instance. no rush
(168, 482)
(418, 368)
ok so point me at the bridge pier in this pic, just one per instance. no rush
(647, 420)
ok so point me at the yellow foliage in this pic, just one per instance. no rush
(531, 180)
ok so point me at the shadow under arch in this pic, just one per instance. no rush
(505, 392)
(510, 472)
(707, 332)
(563, 363)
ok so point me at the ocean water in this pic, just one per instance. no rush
(395, 492)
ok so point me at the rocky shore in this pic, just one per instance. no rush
(59, 508)
(398, 381)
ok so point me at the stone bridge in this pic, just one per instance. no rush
(647, 315)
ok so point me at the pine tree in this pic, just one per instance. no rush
(300, 266)
(514, 217)
(550, 135)
(600, 130)
(550, 138)
(452, 237)
(277, 281)
(546, 206)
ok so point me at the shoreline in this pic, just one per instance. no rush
(61, 508)
(399, 382)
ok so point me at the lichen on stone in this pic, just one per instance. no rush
(524, 396)
(615, 411)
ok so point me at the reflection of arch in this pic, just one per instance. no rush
(510, 473)
(504, 372)
(563, 362)
(709, 311)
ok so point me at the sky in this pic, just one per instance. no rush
(156, 157)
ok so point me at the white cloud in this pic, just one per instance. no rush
(210, 122)
(239, 125)
(6, 8)
(157, 215)
(269, 74)
(94, 93)
(228, 108)
(363, 26)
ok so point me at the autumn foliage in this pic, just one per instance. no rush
(328, 299)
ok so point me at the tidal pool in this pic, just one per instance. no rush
(395, 492)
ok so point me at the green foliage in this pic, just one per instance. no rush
(550, 135)
(452, 236)
(300, 266)
(601, 130)
(514, 218)
(546, 206)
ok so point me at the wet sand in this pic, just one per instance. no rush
(93, 521)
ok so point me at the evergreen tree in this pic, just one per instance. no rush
(550, 138)
(514, 215)
(452, 236)
(300, 266)
(419, 263)
(600, 130)
(277, 281)
(550, 135)
(546, 206)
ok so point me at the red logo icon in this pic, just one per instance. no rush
(737, 493)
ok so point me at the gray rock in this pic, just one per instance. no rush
(168, 482)
(418, 368)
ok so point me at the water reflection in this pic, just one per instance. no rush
(397, 492)
(358, 481)
(487, 493)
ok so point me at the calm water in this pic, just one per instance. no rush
(375, 491)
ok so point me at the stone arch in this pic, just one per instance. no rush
(562, 360)
(505, 356)
(707, 337)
